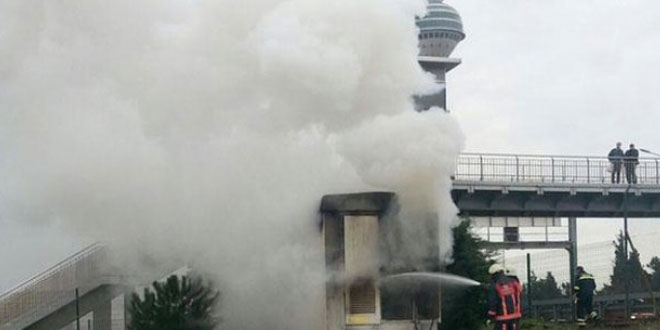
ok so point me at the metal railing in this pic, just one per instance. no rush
(607, 306)
(52, 289)
(550, 169)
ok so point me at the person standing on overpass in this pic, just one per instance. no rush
(631, 160)
(616, 160)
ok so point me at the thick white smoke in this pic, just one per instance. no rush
(414, 154)
(209, 130)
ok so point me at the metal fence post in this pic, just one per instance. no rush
(657, 177)
(529, 284)
(481, 167)
(517, 169)
(588, 171)
(552, 164)
(77, 310)
(572, 256)
(625, 247)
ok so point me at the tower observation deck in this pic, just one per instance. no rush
(440, 31)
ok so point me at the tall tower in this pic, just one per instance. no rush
(440, 31)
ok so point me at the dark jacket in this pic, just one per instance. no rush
(504, 299)
(584, 285)
(632, 156)
(615, 156)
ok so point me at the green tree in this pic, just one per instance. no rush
(545, 288)
(654, 265)
(627, 269)
(466, 308)
(176, 304)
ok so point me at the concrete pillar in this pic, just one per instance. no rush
(572, 255)
(127, 303)
(103, 315)
(333, 238)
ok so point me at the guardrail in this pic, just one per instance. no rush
(51, 289)
(551, 169)
(560, 308)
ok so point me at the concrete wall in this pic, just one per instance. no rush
(97, 301)
(361, 245)
(333, 233)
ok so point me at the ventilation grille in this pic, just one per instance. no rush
(362, 298)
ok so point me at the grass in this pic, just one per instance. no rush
(531, 324)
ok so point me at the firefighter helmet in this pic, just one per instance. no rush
(495, 268)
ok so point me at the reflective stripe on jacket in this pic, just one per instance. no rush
(505, 299)
(585, 284)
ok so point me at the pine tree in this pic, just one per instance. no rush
(461, 308)
(545, 288)
(618, 278)
(176, 304)
(654, 265)
(627, 269)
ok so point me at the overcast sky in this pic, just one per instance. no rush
(538, 76)
(557, 76)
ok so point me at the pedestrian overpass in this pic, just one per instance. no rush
(515, 190)
(502, 189)
(85, 286)
(47, 301)
(552, 186)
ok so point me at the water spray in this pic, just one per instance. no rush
(429, 278)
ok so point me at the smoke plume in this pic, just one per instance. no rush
(209, 130)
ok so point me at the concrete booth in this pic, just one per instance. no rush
(362, 242)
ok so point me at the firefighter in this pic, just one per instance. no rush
(584, 295)
(504, 299)
(511, 273)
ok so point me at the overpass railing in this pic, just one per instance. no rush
(550, 169)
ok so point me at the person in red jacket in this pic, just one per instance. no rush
(511, 273)
(504, 299)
